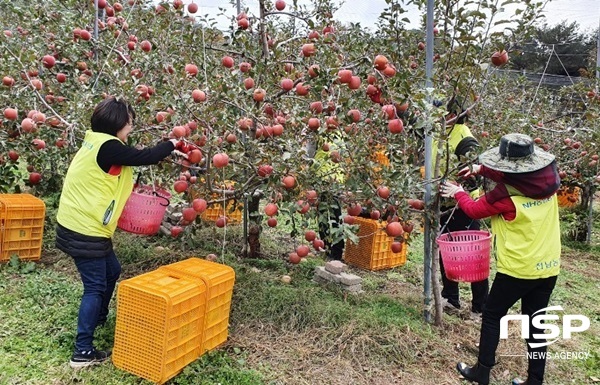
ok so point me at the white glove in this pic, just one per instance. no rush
(449, 190)
(469, 171)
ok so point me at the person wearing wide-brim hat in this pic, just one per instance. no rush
(524, 216)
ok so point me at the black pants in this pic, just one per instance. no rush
(330, 213)
(458, 222)
(506, 291)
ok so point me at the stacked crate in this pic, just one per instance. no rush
(374, 249)
(159, 325)
(171, 316)
(21, 226)
(219, 281)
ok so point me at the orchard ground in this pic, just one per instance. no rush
(297, 333)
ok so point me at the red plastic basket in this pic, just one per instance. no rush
(466, 255)
(144, 211)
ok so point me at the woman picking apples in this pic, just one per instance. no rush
(97, 185)
(524, 214)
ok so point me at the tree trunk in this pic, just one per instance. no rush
(254, 228)
(581, 229)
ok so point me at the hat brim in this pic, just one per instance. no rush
(538, 160)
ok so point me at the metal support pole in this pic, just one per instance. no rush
(428, 164)
(598, 54)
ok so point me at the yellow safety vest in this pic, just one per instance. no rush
(458, 133)
(528, 247)
(91, 201)
(325, 167)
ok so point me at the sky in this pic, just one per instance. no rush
(366, 12)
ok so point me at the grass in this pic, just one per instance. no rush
(297, 333)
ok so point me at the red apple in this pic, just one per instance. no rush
(176, 230)
(227, 61)
(28, 125)
(310, 235)
(396, 247)
(345, 76)
(192, 8)
(191, 69)
(383, 192)
(314, 123)
(39, 144)
(259, 95)
(395, 126)
(280, 5)
(146, 46)
(8, 81)
(308, 49)
(10, 113)
(499, 58)
(180, 186)
(375, 214)
(289, 182)
(272, 222)
(48, 61)
(194, 156)
(302, 251)
(354, 209)
(198, 95)
(35, 178)
(189, 214)
(287, 84)
(271, 209)
(355, 83)
(199, 205)
(221, 222)
(294, 258)
(220, 160)
(301, 89)
(380, 62)
(318, 244)
(394, 229)
(349, 219)
(243, 23)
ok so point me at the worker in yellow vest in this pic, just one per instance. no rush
(461, 144)
(524, 214)
(97, 185)
(326, 164)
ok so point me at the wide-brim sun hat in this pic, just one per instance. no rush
(516, 154)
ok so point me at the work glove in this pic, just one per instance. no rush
(469, 171)
(449, 190)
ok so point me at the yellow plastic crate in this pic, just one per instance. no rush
(21, 226)
(219, 280)
(374, 249)
(159, 326)
(233, 214)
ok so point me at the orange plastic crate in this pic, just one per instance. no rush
(212, 213)
(21, 226)
(219, 280)
(374, 249)
(568, 196)
(159, 324)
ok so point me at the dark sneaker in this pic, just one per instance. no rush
(87, 358)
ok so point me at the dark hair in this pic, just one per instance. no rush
(111, 115)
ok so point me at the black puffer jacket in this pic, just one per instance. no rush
(81, 246)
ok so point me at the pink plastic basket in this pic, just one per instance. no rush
(144, 211)
(466, 255)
